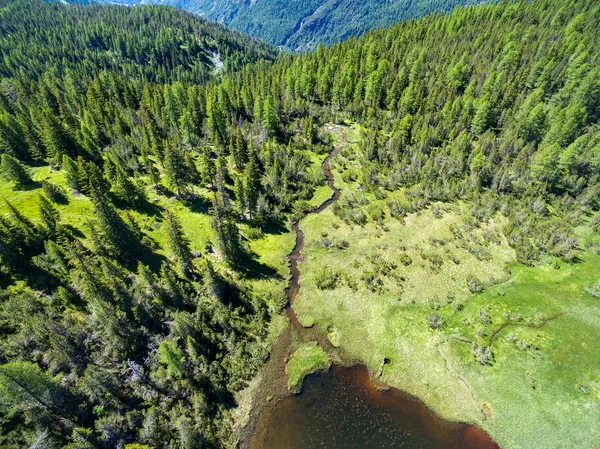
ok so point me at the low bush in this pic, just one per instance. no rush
(328, 279)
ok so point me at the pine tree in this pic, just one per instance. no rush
(14, 171)
(71, 175)
(270, 120)
(240, 192)
(225, 227)
(179, 168)
(24, 386)
(124, 188)
(252, 177)
(215, 118)
(49, 215)
(116, 236)
(208, 169)
(177, 244)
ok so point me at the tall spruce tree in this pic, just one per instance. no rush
(14, 171)
(177, 244)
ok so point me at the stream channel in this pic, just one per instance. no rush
(341, 408)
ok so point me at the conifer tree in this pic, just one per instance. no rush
(14, 171)
(179, 169)
(116, 236)
(270, 120)
(49, 215)
(177, 244)
(252, 179)
(124, 188)
(225, 227)
(215, 118)
(208, 169)
(239, 192)
(71, 175)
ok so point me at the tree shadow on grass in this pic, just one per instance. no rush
(199, 204)
(72, 231)
(275, 228)
(31, 185)
(252, 269)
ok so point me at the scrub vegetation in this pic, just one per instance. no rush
(435, 303)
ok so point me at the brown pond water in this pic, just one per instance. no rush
(341, 409)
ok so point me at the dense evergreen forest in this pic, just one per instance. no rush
(149, 44)
(110, 337)
(300, 24)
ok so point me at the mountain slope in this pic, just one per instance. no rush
(303, 24)
(169, 44)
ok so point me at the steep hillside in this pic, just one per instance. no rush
(151, 43)
(303, 24)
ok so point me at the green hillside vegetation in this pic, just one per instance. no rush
(147, 43)
(146, 201)
(300, 25)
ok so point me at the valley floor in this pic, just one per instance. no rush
(435, 304)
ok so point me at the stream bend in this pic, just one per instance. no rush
(296, 255)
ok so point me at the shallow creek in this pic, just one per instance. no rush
(342, 408)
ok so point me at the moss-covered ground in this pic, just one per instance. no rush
(307, 359)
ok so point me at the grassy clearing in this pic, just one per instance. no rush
(541, 387)
(307, 359)
(269, 249)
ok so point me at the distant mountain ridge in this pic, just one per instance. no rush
(303, 24)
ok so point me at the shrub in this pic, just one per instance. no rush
(396, 209)
(435, 321)
(328, 279)
(482, 354)
(300, 209)
(474, 284)
(342, 244)
(593, 290)
(484, 316)
(254, 233)
(373, 282)
(376, 212)
(380, 194)
(405, 259)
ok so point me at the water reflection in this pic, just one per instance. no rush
(341, 409)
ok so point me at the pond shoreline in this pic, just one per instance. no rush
(273, 389)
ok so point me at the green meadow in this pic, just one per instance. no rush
(464, 327)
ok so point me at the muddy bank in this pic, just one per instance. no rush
(272, 385)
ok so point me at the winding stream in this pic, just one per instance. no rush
(342, 409)
(296, 253)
